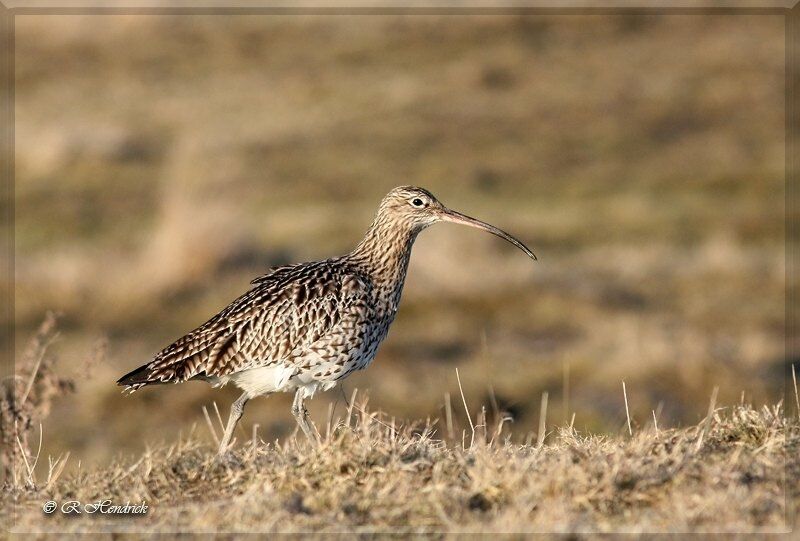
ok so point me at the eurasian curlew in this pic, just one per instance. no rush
(304, 327)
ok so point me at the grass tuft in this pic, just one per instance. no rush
(371, 474)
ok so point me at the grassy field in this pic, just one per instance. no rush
(162, 162)
(728, 474)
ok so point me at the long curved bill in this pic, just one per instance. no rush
(458, 218)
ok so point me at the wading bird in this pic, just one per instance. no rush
(305, 327)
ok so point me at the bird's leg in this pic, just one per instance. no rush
(237, 408)
(301, 416)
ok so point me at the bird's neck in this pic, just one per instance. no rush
(384, 252)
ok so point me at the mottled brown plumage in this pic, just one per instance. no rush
(304, 327)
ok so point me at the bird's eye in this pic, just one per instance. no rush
(417, 202)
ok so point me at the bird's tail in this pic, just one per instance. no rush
(185, 359)
(137, 378)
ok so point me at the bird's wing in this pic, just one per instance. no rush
(272, 271)
(279, 319)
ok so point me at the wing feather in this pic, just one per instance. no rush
(287, 313)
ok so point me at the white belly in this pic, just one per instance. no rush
(273, 379)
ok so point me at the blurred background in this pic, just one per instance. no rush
(164, 161)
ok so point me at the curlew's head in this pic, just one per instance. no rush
(414, 209)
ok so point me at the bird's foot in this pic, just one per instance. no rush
(228, 459)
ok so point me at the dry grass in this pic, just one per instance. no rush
(737, 471)
(26, 399)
